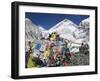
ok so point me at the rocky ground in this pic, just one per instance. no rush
(80, 59)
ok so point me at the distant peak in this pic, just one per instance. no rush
(29, 22)
(27, 19)
(66, 20)
(86, 20)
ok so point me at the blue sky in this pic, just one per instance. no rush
(47, 20)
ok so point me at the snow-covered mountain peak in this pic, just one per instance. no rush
(27, 19)
(65, 26)
(67, 21)
(63, 22)
(84, 23)
(86, 20)
(29, 23)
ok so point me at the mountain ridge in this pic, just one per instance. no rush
(65, 28)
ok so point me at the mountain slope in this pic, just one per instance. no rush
(83, 30)
(32, 31)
